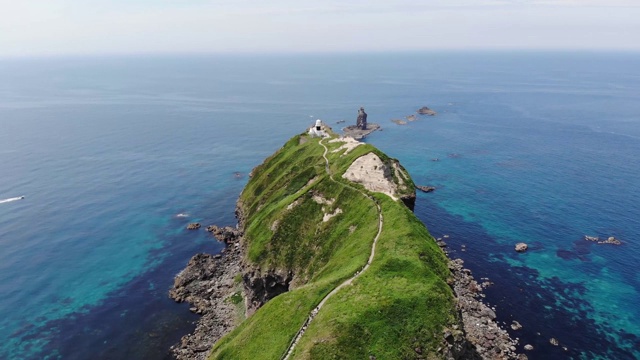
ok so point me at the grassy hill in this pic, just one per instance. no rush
(303, 220)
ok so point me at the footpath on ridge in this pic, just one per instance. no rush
(347, 282)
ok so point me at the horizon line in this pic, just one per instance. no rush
(317, 53)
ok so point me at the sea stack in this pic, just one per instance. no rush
(361, 128)
(361, 122)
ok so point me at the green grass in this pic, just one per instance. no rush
(237, 279)
(401, 302)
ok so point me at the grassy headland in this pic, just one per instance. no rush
(321, 228)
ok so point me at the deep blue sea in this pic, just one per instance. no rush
(537, 147)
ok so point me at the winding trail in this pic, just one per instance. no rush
(350, 280)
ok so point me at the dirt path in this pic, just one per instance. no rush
(347, 282)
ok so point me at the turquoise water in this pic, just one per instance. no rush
(535, 147)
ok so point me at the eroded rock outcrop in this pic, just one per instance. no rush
(261, 287)
(226, 234)
(386, 177)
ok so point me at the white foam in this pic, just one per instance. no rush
(11, 199)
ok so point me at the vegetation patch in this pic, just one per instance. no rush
(236, 298)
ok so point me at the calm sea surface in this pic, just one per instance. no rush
(542, 148)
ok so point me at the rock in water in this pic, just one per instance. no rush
(611, 240)
(426, 111)
(521, 247)
(516, 325)
(193, 226)
(426, 189)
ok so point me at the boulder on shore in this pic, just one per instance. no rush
(521, 247)
(226, 234)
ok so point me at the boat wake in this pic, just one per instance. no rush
(11, 199)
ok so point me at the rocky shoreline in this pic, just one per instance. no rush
(216, 285)
(210, 283)
(479, 320)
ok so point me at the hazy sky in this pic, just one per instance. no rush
(58, 27)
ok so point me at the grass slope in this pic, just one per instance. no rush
(400, 303)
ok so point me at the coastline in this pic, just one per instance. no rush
(209, 281)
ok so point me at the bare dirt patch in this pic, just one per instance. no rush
(373, 174)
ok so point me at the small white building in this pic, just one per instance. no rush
(316, 130)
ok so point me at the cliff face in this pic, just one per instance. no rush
(329, 263)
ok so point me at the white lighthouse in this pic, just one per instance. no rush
(316, 130)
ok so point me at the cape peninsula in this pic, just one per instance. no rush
(328, 261)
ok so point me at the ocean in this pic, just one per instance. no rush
(116, 155)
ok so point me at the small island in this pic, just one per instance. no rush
(361, 129)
